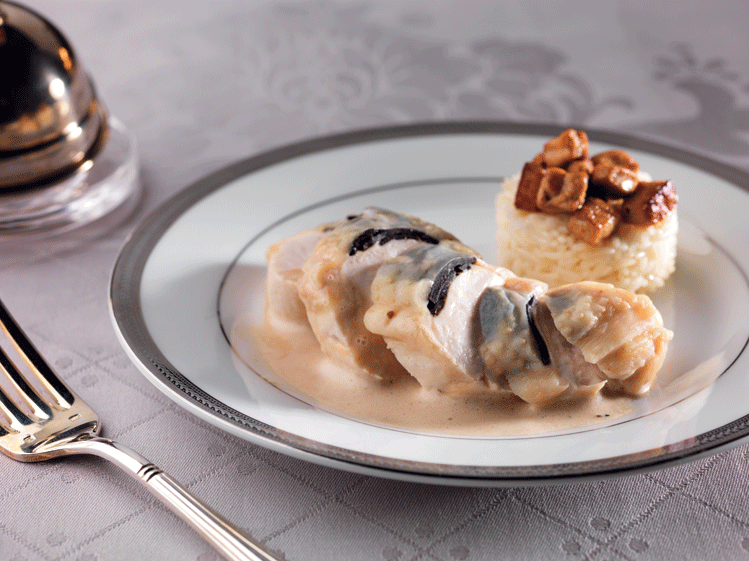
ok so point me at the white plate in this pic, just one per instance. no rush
(197, 264)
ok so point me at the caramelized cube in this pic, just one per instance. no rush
(580, 166)
(530, 182)
(595, 221)
(551, 185)
(569, 197)
(616, 180)
(650, 203)
(568, 146)
(616, 158)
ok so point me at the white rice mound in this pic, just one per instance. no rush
(537, 245)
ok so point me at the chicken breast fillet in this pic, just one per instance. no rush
(619, 332)
(424, 305)
(285, 259)
(393, 295)
(335, 283)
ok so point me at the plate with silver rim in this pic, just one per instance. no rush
(196, 265)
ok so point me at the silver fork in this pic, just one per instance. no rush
(38, 428)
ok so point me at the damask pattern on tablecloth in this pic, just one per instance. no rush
(721, 122)
(304, 69)
(327, 68)
(204, 88)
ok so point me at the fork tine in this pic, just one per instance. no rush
(30, 397)
(36, 363)
(18, 419)
(7, 406)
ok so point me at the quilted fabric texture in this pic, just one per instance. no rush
(204, 86)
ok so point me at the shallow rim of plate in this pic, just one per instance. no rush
(127, 316)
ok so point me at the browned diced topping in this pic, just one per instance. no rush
(616, 158)
(530, 182)
(580, 166)
(650, 204)
(571, 196)
(598, 192)
(551, 186)
(568, 146)
(595, 221)
(574, 189)
(616, 180)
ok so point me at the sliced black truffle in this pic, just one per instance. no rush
(443, 280)
(374, 236)
(538, 340)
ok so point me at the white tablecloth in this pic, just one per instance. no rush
(205, 84)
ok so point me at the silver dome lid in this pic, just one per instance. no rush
(50, 119)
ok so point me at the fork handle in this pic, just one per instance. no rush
(224, 537)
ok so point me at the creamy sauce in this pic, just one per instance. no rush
(294, 356)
